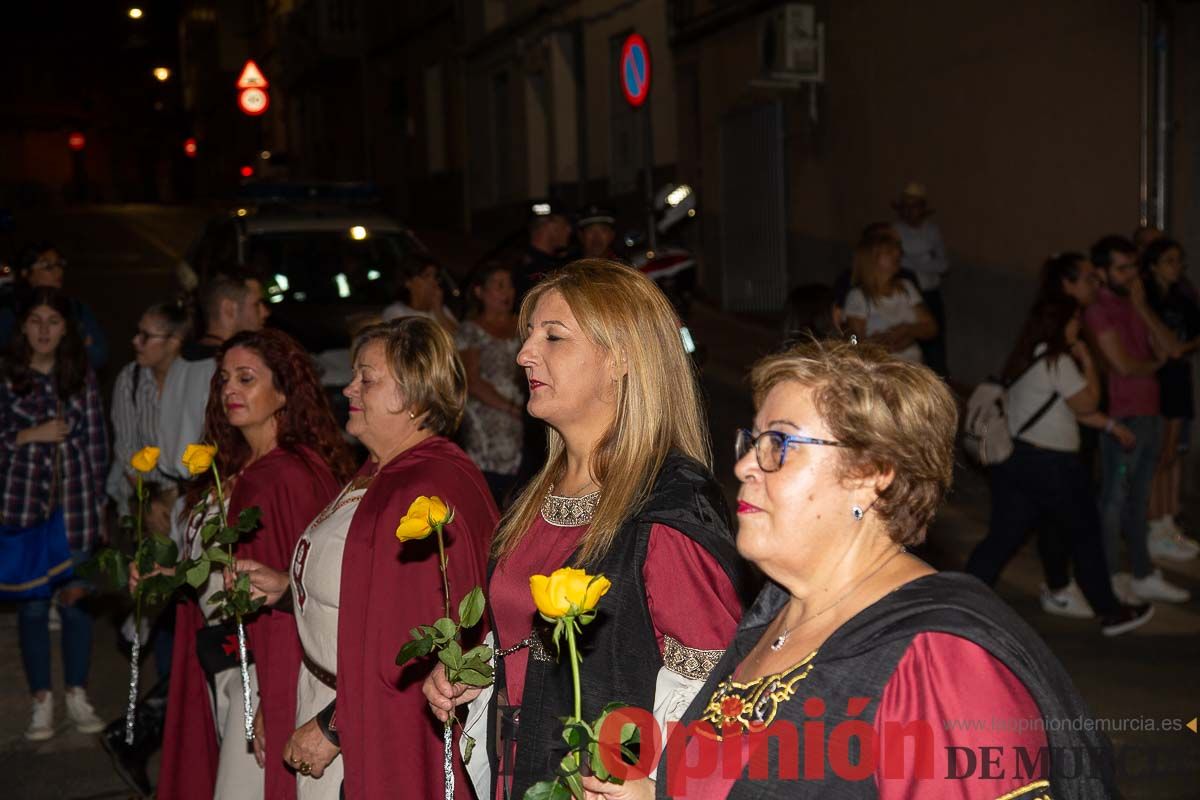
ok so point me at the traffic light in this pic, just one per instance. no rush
(190, 148)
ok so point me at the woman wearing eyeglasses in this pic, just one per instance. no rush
(858, 659)
(41, 265)
(626, 491)
(161, 332)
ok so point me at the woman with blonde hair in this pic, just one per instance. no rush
(626, 491)
(883, 306)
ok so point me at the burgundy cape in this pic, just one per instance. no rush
(291, 489)
(391, 744)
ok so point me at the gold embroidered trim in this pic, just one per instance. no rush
(753, 706)
(687, 661)
(343, 500)
(568, 512)
(1024, 792)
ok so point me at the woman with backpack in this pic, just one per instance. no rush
(1053, 388)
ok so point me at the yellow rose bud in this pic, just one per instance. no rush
(439, 512)
(198, 458)
(145, 460)
(423, 515)
(556, 594)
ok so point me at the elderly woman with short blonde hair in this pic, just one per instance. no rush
(850, 456)
(356, 592)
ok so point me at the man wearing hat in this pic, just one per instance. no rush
(925, 256)
(549, 235)
(597, 231)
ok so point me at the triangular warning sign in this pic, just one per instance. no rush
(252, 77)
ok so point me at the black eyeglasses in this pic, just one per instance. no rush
(770, 447)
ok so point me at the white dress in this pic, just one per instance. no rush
(316, 587)
(238, 775)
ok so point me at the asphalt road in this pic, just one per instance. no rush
(121, 260)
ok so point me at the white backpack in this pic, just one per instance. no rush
(985, 425)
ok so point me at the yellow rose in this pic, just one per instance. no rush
(198, 458)
(145, 460)
(423, 515)
(556, 594)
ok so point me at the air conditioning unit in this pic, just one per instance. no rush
(793, 45)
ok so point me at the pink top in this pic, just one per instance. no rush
(1128, 395)
(680, 577)
(968, 699)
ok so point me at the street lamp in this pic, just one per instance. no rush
(162, 73)
(135, 13)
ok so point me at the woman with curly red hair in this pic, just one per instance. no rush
(278, 448)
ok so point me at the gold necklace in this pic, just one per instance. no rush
(778, 644)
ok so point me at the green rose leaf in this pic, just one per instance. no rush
(417, 648)
(451, 655)
(468, 747)
(248, 519)
(470, 610)
(209, 529)
(228, 535)
(197, 574)
(445, 630)
(473, 677)
(165, 551)
(547, 790)
(481, 653)
(218, 555)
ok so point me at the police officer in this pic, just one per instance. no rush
(549, 235)
(597, 231)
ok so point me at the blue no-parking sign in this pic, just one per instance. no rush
(635, 70)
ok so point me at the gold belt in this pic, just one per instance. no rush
(321, 674)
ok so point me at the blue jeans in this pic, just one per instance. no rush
(33, 621)
(1125, 493)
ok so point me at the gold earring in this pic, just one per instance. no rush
(411, 415)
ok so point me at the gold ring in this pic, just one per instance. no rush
(305, 768)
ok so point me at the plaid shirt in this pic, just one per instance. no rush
(27, 472)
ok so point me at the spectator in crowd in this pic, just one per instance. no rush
(230, 303)
(357, 592)
(1053, 389)
(488, 341)
(549, 235)
(1162, 264)
(844, 282)
(53, 459)
(1135, 344)
(849, 459)
(597, 231)
(420, 294)
(278, 449)
(41, 265)
(925, 255)
(1144, 235)
(624, 491)
(161, 333)
(884, 307)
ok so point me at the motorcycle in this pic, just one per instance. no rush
(666, 261)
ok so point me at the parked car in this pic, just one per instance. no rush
(327, 260)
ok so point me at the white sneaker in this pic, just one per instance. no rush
(41, 727)
(1163, 543)
(1181, 538)
(1155, 587)
(1066, 602)
(81, 712)
(1122, 589)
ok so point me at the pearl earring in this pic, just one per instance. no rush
(857, 512)
(411, 415)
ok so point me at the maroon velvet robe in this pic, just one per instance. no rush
(291, 490)
(391, 743)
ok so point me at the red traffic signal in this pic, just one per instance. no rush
(76, 141)
(247, 171)
(190, 147)
(253, 101)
